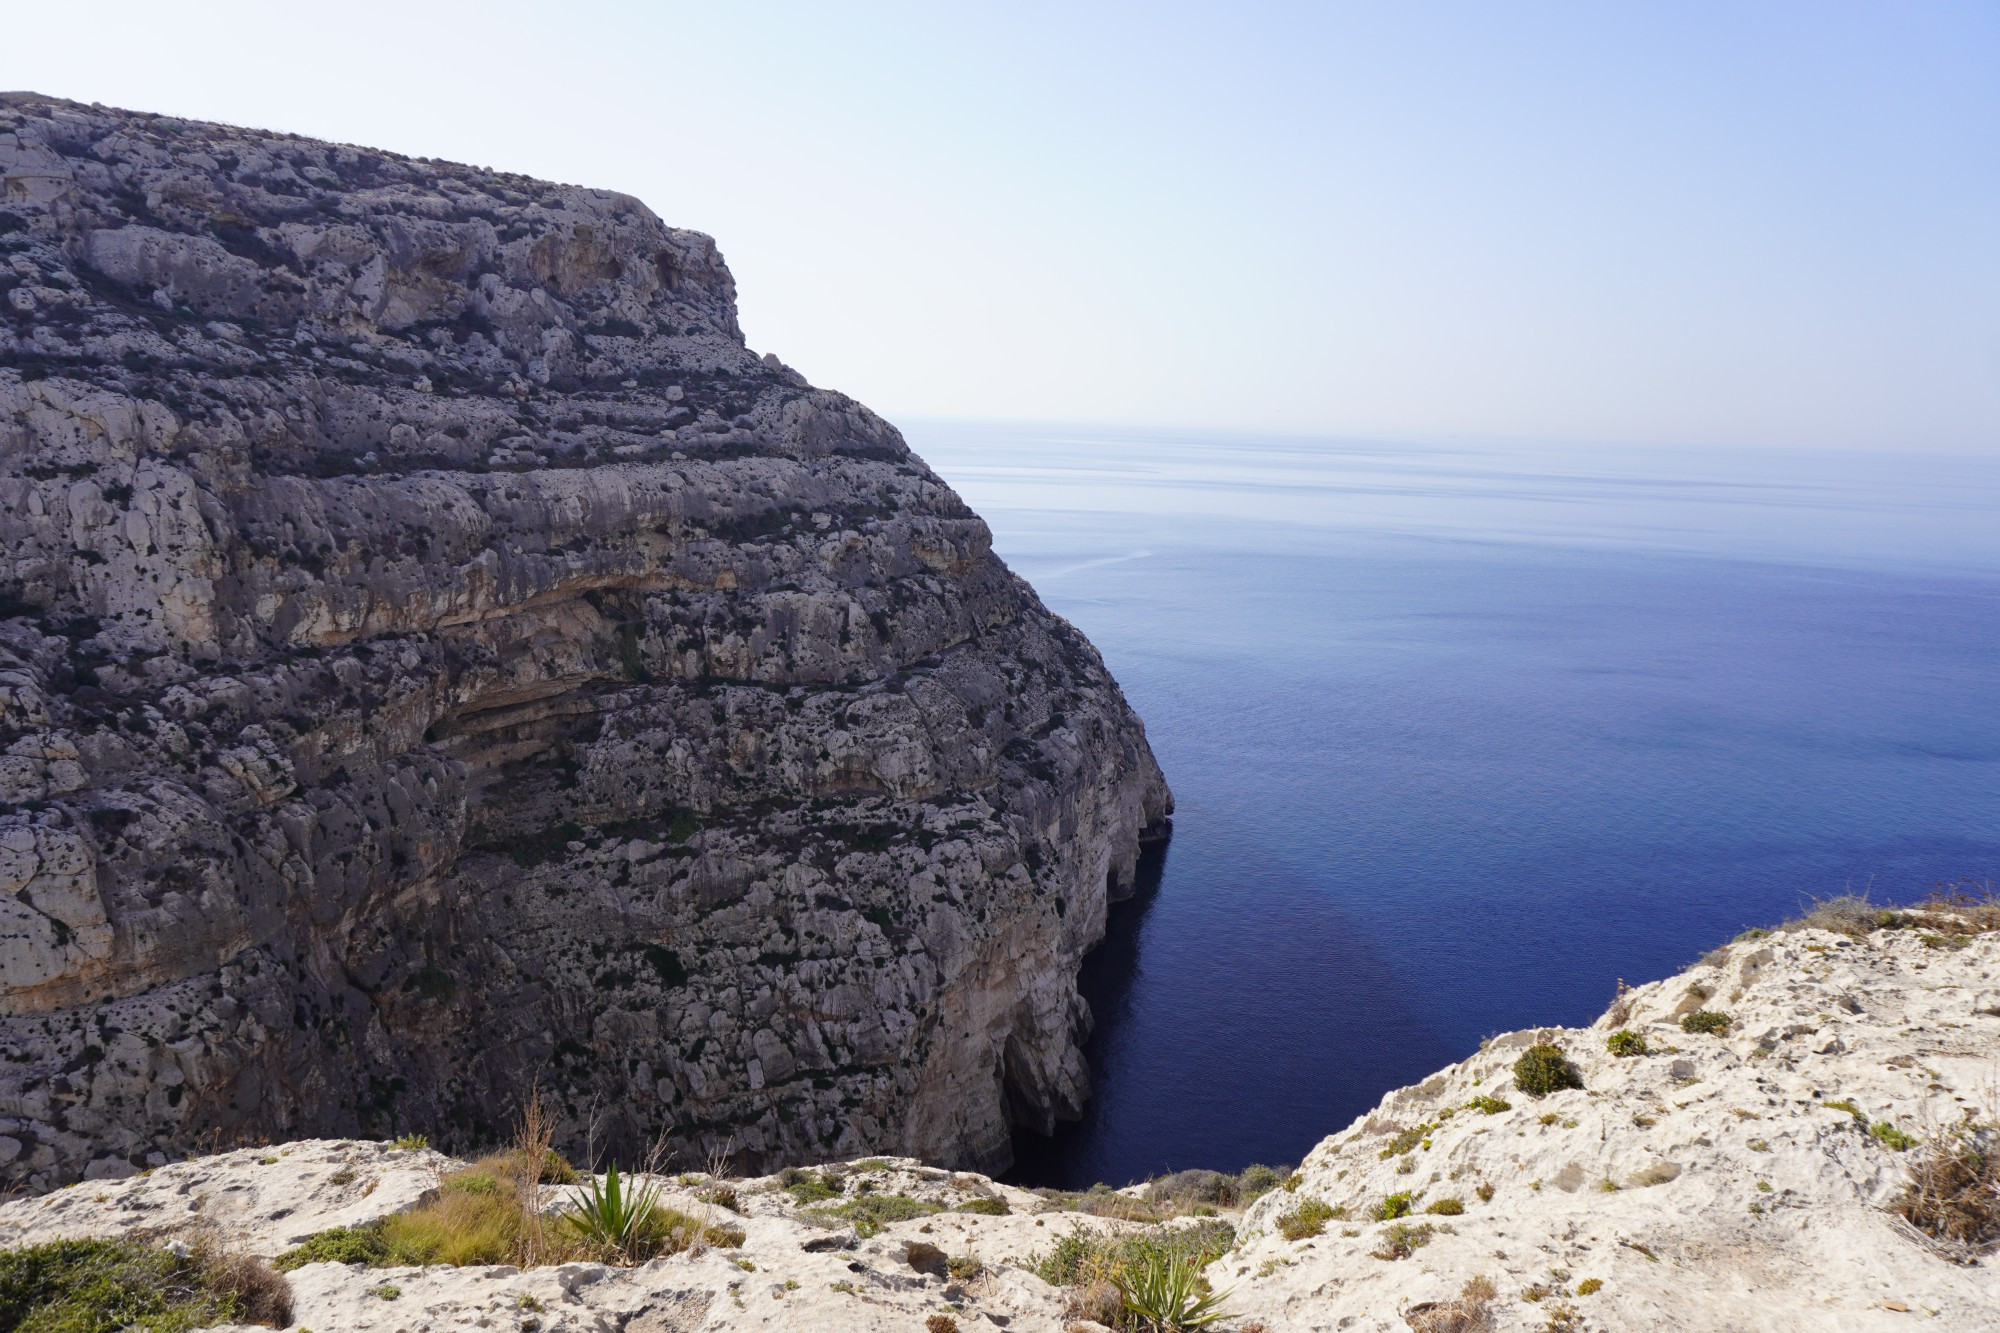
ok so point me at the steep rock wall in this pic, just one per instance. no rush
(437, 657)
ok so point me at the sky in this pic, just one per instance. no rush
(1746, 223)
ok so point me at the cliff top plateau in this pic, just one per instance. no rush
(1788, 1136)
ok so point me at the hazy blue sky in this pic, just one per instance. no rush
(1705, 222)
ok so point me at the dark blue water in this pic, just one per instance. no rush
(1462, 736)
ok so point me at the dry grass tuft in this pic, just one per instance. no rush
(1471, 1311)
(1953, 1193)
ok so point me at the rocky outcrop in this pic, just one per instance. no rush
(437, 657)
(1741, 1179)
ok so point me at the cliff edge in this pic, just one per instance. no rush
(437, 657)
(1752, 1173)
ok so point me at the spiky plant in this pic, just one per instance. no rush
(613, 1215)
(1166, 1293)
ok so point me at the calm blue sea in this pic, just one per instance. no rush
(1463, 735)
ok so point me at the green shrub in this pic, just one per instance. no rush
(1625, 1044)
(1709, 1021)
(808, 1187)
(1257, 1180)
(1590, 1286)
(984, 1207)
(1393, 1207)
(1308, 1218)
(1543, 1069)
(103, 1286)
(344, 1245)
(1446, 1207)
(1401, 1240)
(1489, 1105)
(1406, 1140)
(413, 1142)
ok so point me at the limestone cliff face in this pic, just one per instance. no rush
(437, 655)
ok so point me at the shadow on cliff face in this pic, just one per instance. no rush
(1106, 981)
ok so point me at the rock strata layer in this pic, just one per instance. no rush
(437, 657)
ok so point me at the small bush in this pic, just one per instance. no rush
(100, 1286)
(1393, 1207)
(987, 1207)
(1590, 1286)
(1406, 1141)
(413, 1142)
(1308, 1218)
(342, 1245)
(1401, 1240)
(807, 1187)
(1543, 1069)
(1709, 1021)
(1489, 1105)
(940, 1323)
(1625, 1044)
(1257, 1180)
(1445, 1207)
(1485, 1192)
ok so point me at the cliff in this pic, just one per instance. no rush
(1746, 1177)
(437, 656)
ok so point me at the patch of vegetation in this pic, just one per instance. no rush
(810, 1187)
(1891, 1136)
(1309, 1218)
(871, 1212)
(103, 1286)
(984, 1207)
(1849, 1107)
(1543, 1069)
(413, 1142)
(1445, 1207)
(1401, 1240)
(1393, 1207)
(1095, 1268)
(1487, 1104)
(1184, 1191)
(1406, 1141)
(1168, 1292)
(1710, 1021)
(1953, 1193)
(1625, 1044)
(1590, 1286)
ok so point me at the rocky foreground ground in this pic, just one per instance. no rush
(1743, 1178)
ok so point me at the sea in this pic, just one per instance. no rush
(1461, 735)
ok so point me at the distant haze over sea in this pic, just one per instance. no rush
(1461, 735)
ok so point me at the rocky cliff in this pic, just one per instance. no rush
(436, 656)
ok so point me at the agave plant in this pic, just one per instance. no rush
(614, 1215)
(1166, 1293)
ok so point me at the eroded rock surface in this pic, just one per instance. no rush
(1718, 1181)
(437, 655)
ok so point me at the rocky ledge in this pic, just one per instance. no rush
(1739, 1154)
(437, 657)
